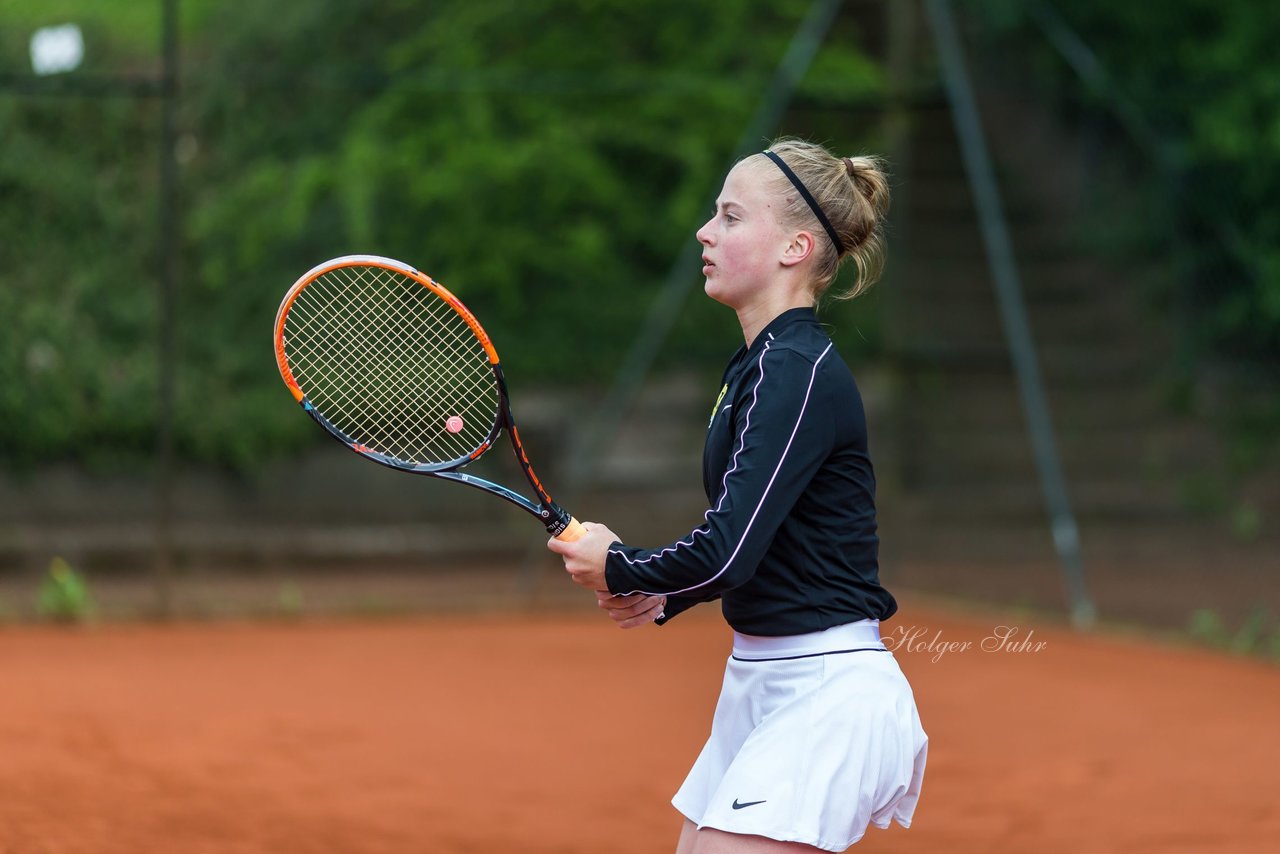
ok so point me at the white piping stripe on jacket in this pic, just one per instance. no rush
(724, 491)
(742, 441)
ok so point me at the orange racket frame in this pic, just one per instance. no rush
(558, 523)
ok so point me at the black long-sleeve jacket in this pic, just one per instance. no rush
(789, 543)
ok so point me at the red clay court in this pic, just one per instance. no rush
(559, 733)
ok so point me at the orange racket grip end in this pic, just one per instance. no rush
(572, 531)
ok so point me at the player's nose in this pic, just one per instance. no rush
(704, 234)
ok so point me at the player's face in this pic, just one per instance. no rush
(742, 242)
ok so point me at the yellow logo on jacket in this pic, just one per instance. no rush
(715, 407)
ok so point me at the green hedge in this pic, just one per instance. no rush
(1202, 75)
(544, 160)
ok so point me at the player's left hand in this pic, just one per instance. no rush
(584, 558)
(636, 609)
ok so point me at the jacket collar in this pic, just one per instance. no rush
(788, 318)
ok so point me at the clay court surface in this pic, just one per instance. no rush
(559, 733)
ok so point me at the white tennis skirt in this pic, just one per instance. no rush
(815, 737)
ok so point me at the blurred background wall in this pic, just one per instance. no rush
(547, 161)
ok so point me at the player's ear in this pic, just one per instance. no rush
(800, 248)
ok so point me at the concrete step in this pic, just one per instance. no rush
(957, 238)
(945, 196)
(1021, 503)
(976, 317)
(990, 401)
(1064, 366)
(1070, 279)
(999, 456)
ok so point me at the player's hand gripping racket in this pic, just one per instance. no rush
(396, 368)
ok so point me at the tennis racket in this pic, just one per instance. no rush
(396, 368)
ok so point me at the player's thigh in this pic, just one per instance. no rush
(688, 838)
(712, 841)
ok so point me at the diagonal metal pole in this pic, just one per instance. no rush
(1013, 311)
(680, 279)
(664, 310)
(168, 238)
(1085, 63)
(1170, 161)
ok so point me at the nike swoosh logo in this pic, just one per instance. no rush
(738, 806)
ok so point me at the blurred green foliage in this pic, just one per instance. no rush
(289, 600)
(544, 160)
(1257, 634)
(64, 594)
(1203, 76)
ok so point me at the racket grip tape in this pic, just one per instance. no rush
(573, 531)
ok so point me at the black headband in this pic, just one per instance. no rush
(812, 202)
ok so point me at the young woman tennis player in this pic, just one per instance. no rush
(816, 733)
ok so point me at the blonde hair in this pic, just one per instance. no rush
(853, 193)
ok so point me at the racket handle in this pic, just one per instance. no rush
(572, 531)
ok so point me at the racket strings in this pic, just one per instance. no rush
(349, 404)
(399, 375)
(389, 363)
(400, 391)
(402, 433)
(400, 388)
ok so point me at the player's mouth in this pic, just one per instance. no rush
(707, 265)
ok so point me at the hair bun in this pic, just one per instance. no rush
(869, 179)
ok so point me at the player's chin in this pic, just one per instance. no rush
(717, 291)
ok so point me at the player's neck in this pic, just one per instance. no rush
(755, 317)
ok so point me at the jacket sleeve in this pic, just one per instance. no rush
(784, 432)
(679, 604)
